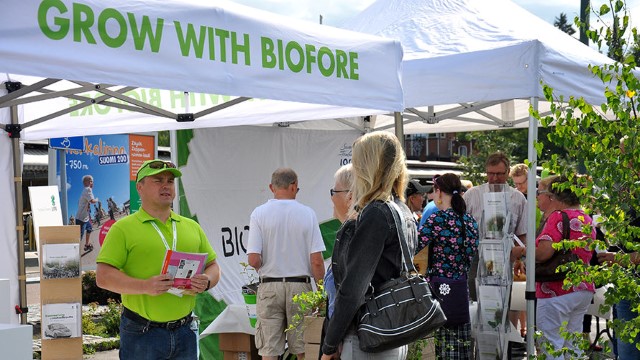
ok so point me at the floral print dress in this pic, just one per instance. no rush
(452, 253)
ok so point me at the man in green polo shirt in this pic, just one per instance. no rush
(155, 323)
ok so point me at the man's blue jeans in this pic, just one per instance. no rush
(625, 350)
(139, 342)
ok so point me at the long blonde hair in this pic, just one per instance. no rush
(378, 167)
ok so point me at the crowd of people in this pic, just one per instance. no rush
(443, 217)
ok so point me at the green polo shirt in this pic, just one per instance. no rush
(134, 246)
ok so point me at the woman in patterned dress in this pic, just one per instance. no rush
(452, 235)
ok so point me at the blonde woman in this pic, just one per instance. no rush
(372, 253)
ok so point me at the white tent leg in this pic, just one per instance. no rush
(530, 293)
(173, 144)
(17, 180)
(399, 128)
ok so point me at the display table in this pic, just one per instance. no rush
(236, 336)
(234, 319)
(16, 341)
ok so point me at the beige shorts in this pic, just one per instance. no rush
(275, 309)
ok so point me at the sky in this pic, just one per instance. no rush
(336, 12)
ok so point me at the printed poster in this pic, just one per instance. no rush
(61, 320)
(112, 162)
(45, 206)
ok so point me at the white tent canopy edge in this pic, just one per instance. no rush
(365, 68)
(224, 48)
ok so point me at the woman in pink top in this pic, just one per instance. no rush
(556, 305)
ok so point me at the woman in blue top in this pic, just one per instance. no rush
(452, 235)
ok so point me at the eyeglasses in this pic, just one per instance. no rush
(157, 164)
(539, 192)
(333, 192)
(496, 174)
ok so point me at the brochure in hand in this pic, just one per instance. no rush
(182, 266)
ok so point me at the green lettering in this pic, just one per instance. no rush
(87, 110)
(310, 56)
(237, 48)
(212, 43)
(223, 35)
(268, 58)
(188, 40)
(295, 67)
(145, 31)
(176, 96)
(82, 26)
(280, 55)
(353, 66)
(102, 109)
(73, 103)
(112, 42)
(154, 98)
(326, 71)
(62, 23)
(341, 64)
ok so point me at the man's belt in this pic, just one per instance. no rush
(169, 325)
(300, 279)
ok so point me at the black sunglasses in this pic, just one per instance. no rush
(157, 164)
(333, 192)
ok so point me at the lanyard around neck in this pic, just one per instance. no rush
(175, 235)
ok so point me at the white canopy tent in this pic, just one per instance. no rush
(470, 65)
(223, 48)
(473, 65)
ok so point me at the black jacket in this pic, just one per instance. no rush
(367, 251)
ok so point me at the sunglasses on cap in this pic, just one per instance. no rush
(157, 164)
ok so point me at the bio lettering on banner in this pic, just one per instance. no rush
(116, 29)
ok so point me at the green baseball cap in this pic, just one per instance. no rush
(156, 166)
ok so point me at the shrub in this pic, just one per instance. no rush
(92, 293)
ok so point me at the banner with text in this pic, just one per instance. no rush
(228, 174)
(220, 47)
(112, 162)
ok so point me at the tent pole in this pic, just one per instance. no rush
(530, 293)
(397, 116)
(173, 144)
(17, 180)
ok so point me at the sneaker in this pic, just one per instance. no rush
(88, 247)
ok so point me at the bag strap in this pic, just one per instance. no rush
(401, 227)
(566, 226)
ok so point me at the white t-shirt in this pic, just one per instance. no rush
(285, 233)
(83, 213)
(516, 202)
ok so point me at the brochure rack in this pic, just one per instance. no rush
(61, 291)
(495, 276)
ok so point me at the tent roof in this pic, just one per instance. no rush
(477, 63)
(219, 47)
(466, 50)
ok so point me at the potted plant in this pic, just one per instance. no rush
(249, 291)
(312, 310)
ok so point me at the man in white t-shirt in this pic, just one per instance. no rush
(83, 215)
(285, 247)
(497, 169)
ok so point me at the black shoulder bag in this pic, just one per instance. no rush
(402, 310)
(547, 271)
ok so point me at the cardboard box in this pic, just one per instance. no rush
(238, 346)
(236, 342)
(232, 355)
(312, 329)
(311, 351)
